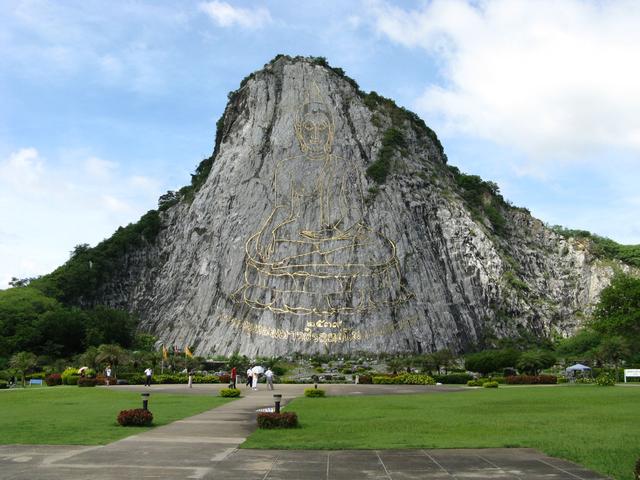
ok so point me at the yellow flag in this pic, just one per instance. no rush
(165, 353)
(187, 352)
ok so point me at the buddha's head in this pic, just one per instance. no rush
(314, 129)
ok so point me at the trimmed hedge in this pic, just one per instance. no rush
(230, 392)
(277, 420)
(453, 378)
(173, 378)
(404, 379)
(531, 380)
(490, 384)
(136, 417)
(87, 382)
(314, 392)
(476, 383)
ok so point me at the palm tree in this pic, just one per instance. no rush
(22, 362)
(113, 355)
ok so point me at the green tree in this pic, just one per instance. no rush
(113, 355)
(23, 362)
(614, 350)
(489, 361)
(443, 359)
(533, 361)
(618, 311)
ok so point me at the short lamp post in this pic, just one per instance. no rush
(277, 397)
(145, 401)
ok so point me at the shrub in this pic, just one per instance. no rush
(492, 384)
(53, 379)
(35, 376)
(71, 380)
(230, 392)
(453, 378)
(314, 392)
(531, 380)
(3, 384)
(605, 380)
(278, 420)
(366, 379)
(475, 383)
(222, 378)
(87, 382)
(585, 380)
(90, 372)
(404, 379)
(69, 372)
(136, 417)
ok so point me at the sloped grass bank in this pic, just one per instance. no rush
(85, 416)
(593, 426)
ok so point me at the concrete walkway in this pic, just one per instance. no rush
(205, 447)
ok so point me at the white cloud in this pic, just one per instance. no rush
(99, 168)
(48, 206)
(23, 168)
(554, 80)
(225, 15)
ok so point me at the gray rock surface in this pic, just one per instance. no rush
(290, 247)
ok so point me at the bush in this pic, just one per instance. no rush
(585, 380)
(278, 420)
(314, 392)
(453, 378)
(605, 380)
(531, 380)
(230, 392)
(53, 379)
(221, 379)
(69, 372)
(3, 384)
(71, 380)
(404, 379)
(492, 384)
(35, 376)
(137, 417)
(475, 383)
(87, 382)
(366, 379)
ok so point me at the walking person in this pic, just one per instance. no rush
(107, 374)
(234, 375)
(249, 376)
(148, 373)
(254, 383)
(269, 376)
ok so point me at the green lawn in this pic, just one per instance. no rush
(85, 416)
(593, 426)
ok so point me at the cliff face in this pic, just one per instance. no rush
(290, 246)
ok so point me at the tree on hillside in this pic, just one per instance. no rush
(618, 311)
(23, 362)
(489, 361)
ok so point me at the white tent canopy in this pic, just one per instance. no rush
(578, 367)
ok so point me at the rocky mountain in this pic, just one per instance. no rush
(329, 220)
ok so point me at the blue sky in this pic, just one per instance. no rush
(106, 105)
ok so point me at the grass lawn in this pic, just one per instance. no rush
(593, 426)
(85, 416)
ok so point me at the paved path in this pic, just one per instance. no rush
(205, 447)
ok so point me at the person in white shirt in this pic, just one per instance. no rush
(249, 376)
(148, 373)
(269, 376)
(107, 374)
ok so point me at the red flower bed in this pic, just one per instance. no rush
(53, 379)
(277, 420)
(137, 417)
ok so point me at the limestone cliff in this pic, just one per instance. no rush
(290, 245)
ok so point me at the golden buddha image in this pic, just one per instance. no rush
(314, 254)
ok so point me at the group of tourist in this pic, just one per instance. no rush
(253, 374)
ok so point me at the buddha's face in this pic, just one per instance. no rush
(315, 133)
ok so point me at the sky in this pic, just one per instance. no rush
(104, 106)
